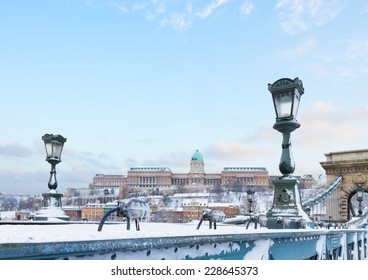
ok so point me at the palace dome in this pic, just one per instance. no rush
(197, 156)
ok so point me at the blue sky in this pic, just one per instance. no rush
(132, 83)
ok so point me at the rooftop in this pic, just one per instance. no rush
(197, 156)
(149, 168)
(245, 169)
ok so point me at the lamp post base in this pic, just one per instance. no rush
(51, 208)
(286, 211)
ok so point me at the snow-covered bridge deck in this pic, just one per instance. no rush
(178, 241)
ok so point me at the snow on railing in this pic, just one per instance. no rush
(359, 222)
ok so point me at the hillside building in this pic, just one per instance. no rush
(160, 178)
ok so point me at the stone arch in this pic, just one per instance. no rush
(353, 166)
(345, 198)
(352, 194)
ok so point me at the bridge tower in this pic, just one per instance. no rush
(353, 166)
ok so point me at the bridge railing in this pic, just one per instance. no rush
(359, 222)
(322, 196)
(321, 244)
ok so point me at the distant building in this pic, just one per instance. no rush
(22, 215)
(168, 215)
(82, 196)
(102, 181)
(93, 211)
(231, 210)
(245, 176)
(149, 178)
(111, 205)
(155, 178)
(304, 182)
(73, 212)
(96, 211)
(193, 208)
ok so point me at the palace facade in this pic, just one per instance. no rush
(160, 178)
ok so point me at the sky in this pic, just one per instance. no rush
(147, 83)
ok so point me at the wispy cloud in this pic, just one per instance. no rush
(352, 59)
(247, 7)
(343, 60)
(15, 150)
(139, 6)
(160, 8)
(264, 134)
(179, 22)
(209, 9)
(358, 48)
(179, 15)
(90, 160)
(26, 182)
(234, 151)
(183, 20)
(121, 8)
(295, 15)
(299, 15)
(324, 124)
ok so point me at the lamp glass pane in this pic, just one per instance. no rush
(57, 150)
(296, 103)
(283, 104)
(48, 147)
(360, 193)
(250, 195)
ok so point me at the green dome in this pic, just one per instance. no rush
(197, 156)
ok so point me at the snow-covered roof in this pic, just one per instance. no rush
(220, 204)
(195, 202)
(191, 195)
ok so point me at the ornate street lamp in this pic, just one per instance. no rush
(360, 193)
(51, 204)
(286, 211)
(54, 146)
(286, 95)
(252, 218)
(250, 197)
